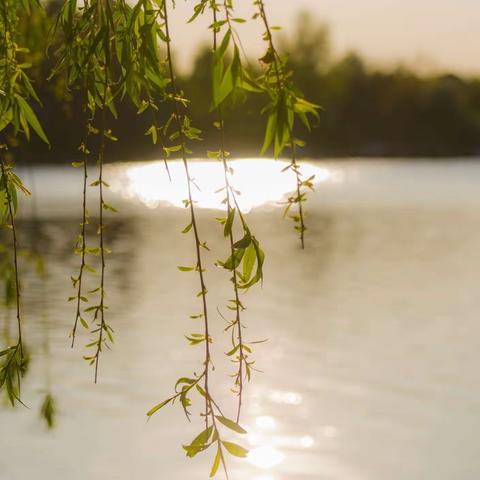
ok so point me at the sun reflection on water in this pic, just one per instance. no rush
(265, 457)
(286, 398)
(259, 182)
(265, 423)
(268, 446)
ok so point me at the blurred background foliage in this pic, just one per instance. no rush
(366, 111)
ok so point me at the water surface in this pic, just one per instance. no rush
(371, 369)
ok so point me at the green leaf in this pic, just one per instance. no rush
(223, 90)
(201, 391)
(234, 260)
(152, 131)
(185, 380)
(48, 410)
(172, 149)
(198, 9)
(220, 53)
(214, 154)
(107, 206)
(233, 351)
(5, 119)
(4, 352)
(228, 224)
(222, 80)
(31, 118)
(260, 255)
(230, 424)
(203, 437)
(187, 228)
(249, 261)
(270, 132)
(193, 450)
(245, 241)
(216, 463)
(158, 407)
(235, 450)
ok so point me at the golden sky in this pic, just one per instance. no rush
(430, 34)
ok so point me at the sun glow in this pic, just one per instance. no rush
(267, 446)
(286, 398)
(265, 423)
(259, 182)
(265, 457)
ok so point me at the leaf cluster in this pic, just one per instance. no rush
(14, 364)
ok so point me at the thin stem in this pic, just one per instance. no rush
(230, 193)
(15, 254)
(83, 231)
(101, 155)
(101, 233)
(178, 119)
(7, 191)
(155, 123)
(298, 176)
(280, 87)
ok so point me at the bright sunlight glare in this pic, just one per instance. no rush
(265, 457)
(286, 398)
(259, 182)
(265, 423)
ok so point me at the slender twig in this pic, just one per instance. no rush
(199, 268)
(294, 164)
(8, 195)
(101, 226)
(230, 193)
(15, 253)
(83, 244)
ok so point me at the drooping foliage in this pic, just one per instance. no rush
(17, 117)
(113, 52)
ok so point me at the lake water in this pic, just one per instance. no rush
(371, 371)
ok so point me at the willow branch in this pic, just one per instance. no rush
(294, 164)
(83, 244)
(199, 267)
(11, 216)
(230, 193)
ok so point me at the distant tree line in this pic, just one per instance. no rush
(366, 111)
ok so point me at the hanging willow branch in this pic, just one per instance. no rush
(212, 413)
(100, 311)
(285, 103)
(245, 252)
(81, 246)
(102, 329)
(111, 50)
(16, 117)
(228, 231)
(86, 56)
(15, 358)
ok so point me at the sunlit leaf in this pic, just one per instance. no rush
(230, 424)
(235, 449)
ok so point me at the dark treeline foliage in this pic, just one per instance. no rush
(366, 112)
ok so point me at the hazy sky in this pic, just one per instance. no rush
(433, 34)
